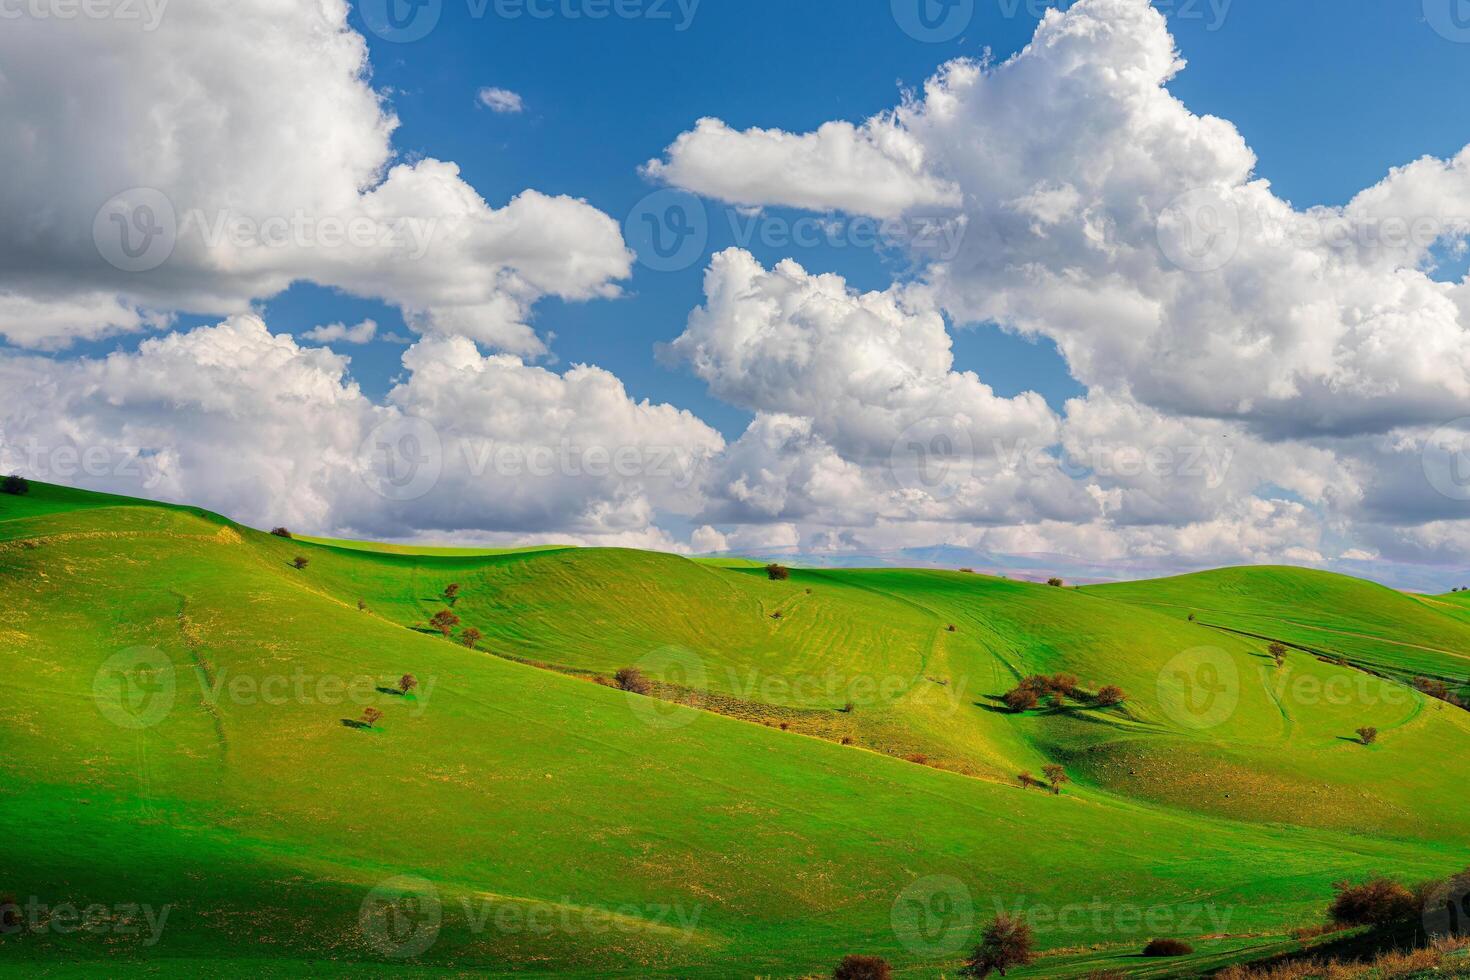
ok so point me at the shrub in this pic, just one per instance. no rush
(371, 716)
(777, 573)
(1191, 617)
(1109, 696)
(361, 606)
(631, 679)
(1167, 947)
(847, 708)
(451, 590)
(1376, 902)
(1367, 734)
(847, 740)
(1021, 699)
(280, 532)
(407, 683)
(300, 562)
(1056, 776)
(1026, 780)
(15, 486)
(953, 628)
(1007, 942)
(1062, 684)
(444, 621)
(968, 571)
(917, 758)
(776, 614)
(862, 968)
(1277, 652)
(470, 637)
(1055, 583)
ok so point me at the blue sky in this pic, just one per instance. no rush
(1328, 100)
(1184, 329)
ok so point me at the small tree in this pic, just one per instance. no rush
(1109, 696)
(470, 637)
(631, 679)
(299, 562)
(1277, 652)
(280, 532)
(1055, 583)
(370, 716)
(1021, 699)
(15, 486)
(1056, 776)
(1376, 902)
(407, 683)
(1026, 780)
(1007, 943)
(451, 591)
(1167, 947)
(1367, 734)
(361, 606)
(444, 621)
(862, 968)
(777, 573)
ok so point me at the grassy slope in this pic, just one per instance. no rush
(266, 821)
(1394, 632)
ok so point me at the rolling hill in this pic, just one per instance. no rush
(826, 767)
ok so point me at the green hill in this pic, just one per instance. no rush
(183, 734)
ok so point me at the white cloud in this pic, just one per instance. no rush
(874, 169)
(1071, 160)
(258, 427)
(706, 540)
(274, 159)
(501, 100)
(360, 333)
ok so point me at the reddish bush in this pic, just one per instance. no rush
(1109, 696)
(631, 679)
(444, 621)
(777, 573)
(1167, 947)
(1376, 902)
(1367, 734)
(280, 532)
(1021, 699)
(470, 637)
(862, 968)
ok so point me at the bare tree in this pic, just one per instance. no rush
(1007, 943)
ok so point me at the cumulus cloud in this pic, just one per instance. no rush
(876, 169)
(501, 100)
(227, 171)
(1253, 369)
(257, 426)
(1103, 213)
(359, 333)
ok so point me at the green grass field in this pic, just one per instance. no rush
(182, 736)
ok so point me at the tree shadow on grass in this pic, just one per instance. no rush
(361, 726)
